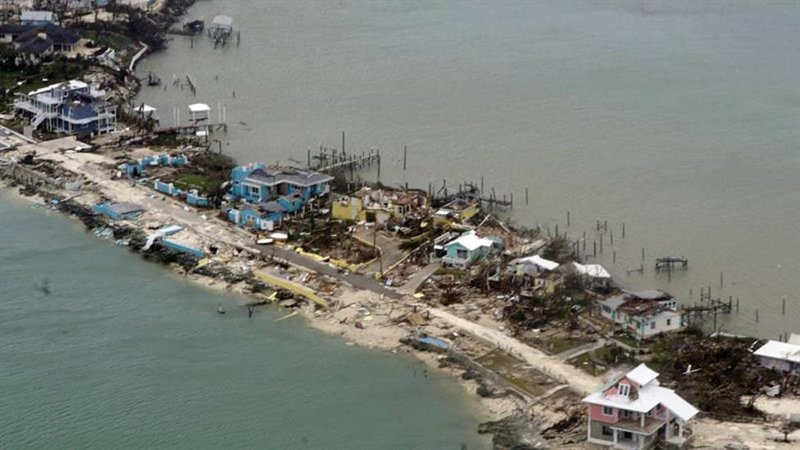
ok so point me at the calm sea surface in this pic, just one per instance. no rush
(678, 118)
(124, 354)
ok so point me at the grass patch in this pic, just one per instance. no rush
(113, 40)
(587, 364)
(192, 181)
(510, 369)
(628, 340)
(448, 271)
(558, 344)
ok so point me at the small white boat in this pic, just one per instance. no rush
(220, 310)
(265, 241)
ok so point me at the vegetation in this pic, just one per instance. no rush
(727, 371)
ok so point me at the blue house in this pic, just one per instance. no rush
(259, 183)
(195, 199)
(136, 168)
(261, 216)
(71, 107)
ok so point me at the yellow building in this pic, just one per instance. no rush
(380, 204)
(456, 211)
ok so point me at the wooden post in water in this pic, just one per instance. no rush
(720, 280)
(567, 218)
(611, 236)
(642, 254)
(343, 150)
(783, 309)
(379, 166)
(614, 257)
(526, 196)
(737, 304)
(405, 156)
(756, 315)
(557, 230)
(594, 249)
(623, 230)
(601, 243)
(512, 200)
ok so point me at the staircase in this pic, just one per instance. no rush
(40, 117)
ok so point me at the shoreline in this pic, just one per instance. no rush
(380, 335)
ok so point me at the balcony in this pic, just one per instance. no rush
(634, 425)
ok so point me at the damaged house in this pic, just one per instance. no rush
(644, 313)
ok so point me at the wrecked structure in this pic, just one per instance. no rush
(644, 313)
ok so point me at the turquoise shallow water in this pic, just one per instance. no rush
(124, 354)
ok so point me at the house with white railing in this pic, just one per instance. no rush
(634, 412)
(71, 107)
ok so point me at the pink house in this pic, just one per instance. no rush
(634, 412)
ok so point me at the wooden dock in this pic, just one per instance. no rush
(332, 161)
(669, 263)
(193, 129)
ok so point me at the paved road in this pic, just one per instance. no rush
(355, 279)
(390, 250)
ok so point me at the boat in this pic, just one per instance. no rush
(264, 241)
(220, 310)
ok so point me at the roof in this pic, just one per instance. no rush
(613, 302)
(12, 28)
(224, 21)
(649, 397)
(37, 16)
(780, 350)
(199, 107)
(537, 260)
(673, 402)
(125, 208)
(69, 85)
(642, 374)
(470, 241)
(55, 33)
(591, 270)
(652, 294)
(272, 207)
(272, 177)
(36, 45)
(794, 339)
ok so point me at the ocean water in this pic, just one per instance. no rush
(676, 117)
(124, 354)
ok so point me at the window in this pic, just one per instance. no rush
(607, 431)
(461, 254)
(669, 322)
(255, 190)
(608, 411)
(624, 413)
(624, 389)
(653, 325)
(627, 435)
